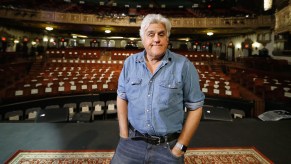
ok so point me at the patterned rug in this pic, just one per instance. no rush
(193, 156)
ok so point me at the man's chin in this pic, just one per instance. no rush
(158, 50)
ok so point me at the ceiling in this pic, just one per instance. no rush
(118, 8)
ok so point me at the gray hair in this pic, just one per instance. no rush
(154, 18)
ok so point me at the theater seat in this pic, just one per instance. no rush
(72, 107)
(85, 107)
(236, 113)
(111, 109)
(14, 115)
(98, 109)
(31, 113)
(85, 114)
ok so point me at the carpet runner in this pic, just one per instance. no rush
(193, 156)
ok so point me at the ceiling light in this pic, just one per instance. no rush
(184, 39)
(107, 31)
(210, 33)
(79, 36)
(82, 36)
(116, 37)
(268, 4)
(49, 28)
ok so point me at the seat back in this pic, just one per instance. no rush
(31, 113)
(14, 115)
(98, 105)
(85, 106)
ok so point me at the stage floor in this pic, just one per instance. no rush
(270, 138)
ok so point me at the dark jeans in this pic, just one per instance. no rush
(129, 151)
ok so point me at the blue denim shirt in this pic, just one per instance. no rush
(156, 101)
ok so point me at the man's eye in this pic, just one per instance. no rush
(151, 34)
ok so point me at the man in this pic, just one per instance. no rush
(154, 88)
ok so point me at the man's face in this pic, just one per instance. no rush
(155, 40)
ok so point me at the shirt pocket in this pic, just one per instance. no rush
(133, 88)
(170, 92)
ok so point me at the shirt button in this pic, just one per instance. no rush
(149, 95)
(149, 125)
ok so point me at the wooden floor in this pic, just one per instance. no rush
(271, 138)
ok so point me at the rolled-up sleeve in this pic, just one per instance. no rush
(121, 92)
(193, 96)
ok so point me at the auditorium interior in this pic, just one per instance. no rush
(60, 62)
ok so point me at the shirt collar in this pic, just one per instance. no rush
(140, 58)
(167, 58)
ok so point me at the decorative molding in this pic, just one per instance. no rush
(91, 19)
(283, 20)
(264, 37)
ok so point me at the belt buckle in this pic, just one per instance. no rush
(158, 139)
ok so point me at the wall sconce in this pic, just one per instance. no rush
(16, 41)
(33, 43)
(25, 39)
(3, 39)
(230, 44)
(256, 45)
(238, 46)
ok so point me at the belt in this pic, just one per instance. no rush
(154, 140)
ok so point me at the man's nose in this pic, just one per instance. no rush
(156, 38)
